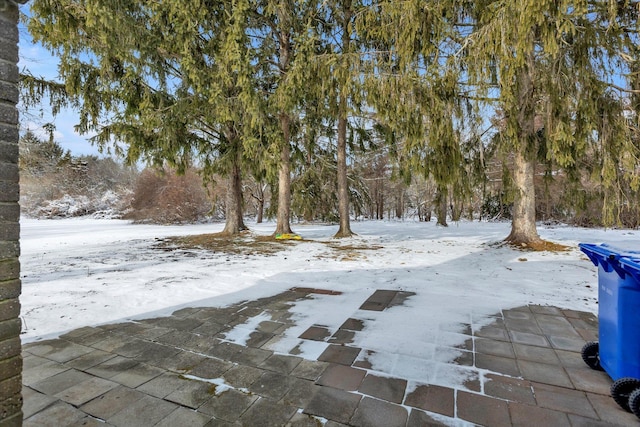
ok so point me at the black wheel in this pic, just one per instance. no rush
(622, 389)
(634, 402)
(591, 355)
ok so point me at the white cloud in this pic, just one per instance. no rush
(41, 133)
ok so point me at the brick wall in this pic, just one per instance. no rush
(10, 359)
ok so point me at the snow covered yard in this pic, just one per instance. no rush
(79, 272)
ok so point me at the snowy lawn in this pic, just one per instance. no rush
(79, 272)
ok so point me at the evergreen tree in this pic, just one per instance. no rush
(551, 65)
(285, 39)
(37, 156)
(339, 82)
(413, 84)
(169, 80)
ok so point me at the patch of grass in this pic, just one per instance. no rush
(244, 244)
(348, 252)
(247, 244)
(540, 246)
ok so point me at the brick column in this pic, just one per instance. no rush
(10, 358)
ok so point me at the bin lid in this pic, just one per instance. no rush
(631, 265)
(619, 249)
(610, 255)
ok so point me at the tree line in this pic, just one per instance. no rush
(451, 90)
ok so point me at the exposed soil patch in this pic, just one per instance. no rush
(541, 246)
(244, 244)
(348, 252)
(250, 244)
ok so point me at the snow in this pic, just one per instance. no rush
(82, 271)
(220, 385)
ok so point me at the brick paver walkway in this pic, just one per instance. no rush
(524, 369)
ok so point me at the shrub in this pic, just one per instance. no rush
(163, 197)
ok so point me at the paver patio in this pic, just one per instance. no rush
(523, 369)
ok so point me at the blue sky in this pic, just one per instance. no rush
(37, 60)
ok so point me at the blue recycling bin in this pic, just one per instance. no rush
(618, 308)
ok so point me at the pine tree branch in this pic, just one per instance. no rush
(621, 89)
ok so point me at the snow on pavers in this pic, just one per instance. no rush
(161, 370)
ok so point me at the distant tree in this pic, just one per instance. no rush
(38, 156)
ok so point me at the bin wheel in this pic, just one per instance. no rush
(591, 355)
(622, 389)
(634, 402)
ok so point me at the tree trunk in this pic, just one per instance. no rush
(284, 181)
(523, 224)
(400, 204)
(441, 206)
(234, 222)
(380, 202)
(343, 183)
(457, 207)
(260, 211)
(283, 217)
(260, 199)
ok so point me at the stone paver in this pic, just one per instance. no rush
(309, 370)
(343, 355)
(184, 418)
(86, 390)
(59, 350)
(524, 415)
(112, 367)
(241, 376)
(563, 399)
(34, 401)
(55, 415)
(422, 419)
(300, 393)
(137, 375)
(384, 388)
(211, 368)
(433, 398)
(228, 406)
(266, 412)
(112, 402)
(162, 385)
(280, 363)
(524, 367)
(545, 373)
(483, 410)
(316, 333)
(372, 412)
(503, 365)
(60, 382)
(333, 404)
(192, 394)
(35, 373)
(272, 385)
(509, 388)
(342, 377)
(143, 412)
